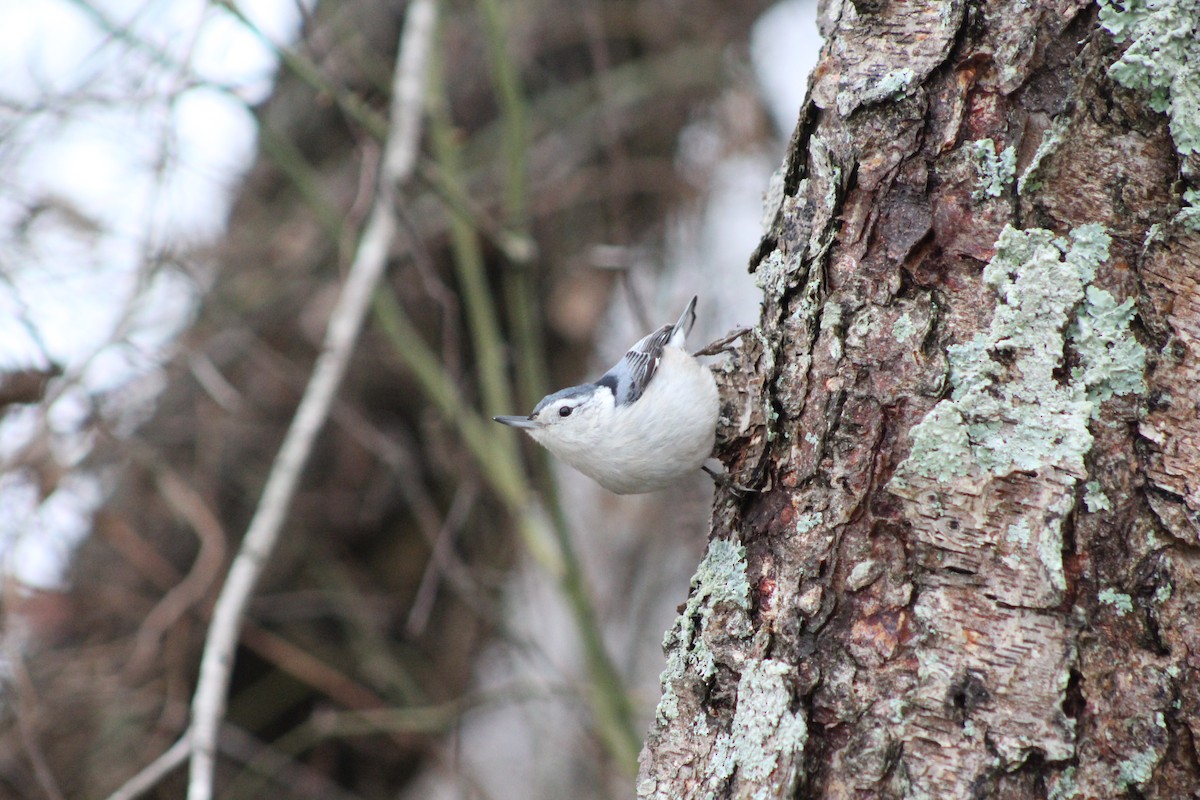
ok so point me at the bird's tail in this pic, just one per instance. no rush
(684, 326)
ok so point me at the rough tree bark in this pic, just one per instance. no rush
(971, 411)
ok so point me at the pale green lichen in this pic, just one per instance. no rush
(863, 324)
(719, 580)
(903, 328)
(1189, 216)
(647, 787)
(1052, 139)
(772, 417)
(773, 274)
(1163, 593)
(1138, 770)
(940, 444)
(1064, 787)
(1018, 533)
(1095, 498)
(1163, 59)
(764, 729)
(720, 764)
(1010, 409)
(1122, 602)
(806, 522)
(805, 307)
(895, 81)
(1049, 552)
(1111, 362)
(996, 170)
(891, 85)
(831, 320)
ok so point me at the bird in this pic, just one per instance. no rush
(640, 427)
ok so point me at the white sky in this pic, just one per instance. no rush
(110, 154)
(126, 151)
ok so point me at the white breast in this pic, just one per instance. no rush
(665, 435)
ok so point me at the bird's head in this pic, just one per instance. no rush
(571, 416)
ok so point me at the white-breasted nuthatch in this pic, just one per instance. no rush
(643, 425)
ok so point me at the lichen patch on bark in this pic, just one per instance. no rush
(987, 488)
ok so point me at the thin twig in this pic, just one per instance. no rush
(188, 503)
(208, 704)
(153, 772)
(607, 693)
(441, 559)
(470, 269)
(26, 703)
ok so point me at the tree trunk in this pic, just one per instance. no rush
(970, 567)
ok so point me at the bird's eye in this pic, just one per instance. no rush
(565, 411)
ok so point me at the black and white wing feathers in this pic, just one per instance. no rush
(633, 373)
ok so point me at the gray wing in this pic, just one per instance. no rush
(629, 378)
(632, 374)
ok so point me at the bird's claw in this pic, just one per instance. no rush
(724, 481)
(722, 345)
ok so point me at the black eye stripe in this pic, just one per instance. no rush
(565, 411)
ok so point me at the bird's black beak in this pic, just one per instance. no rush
(517, 422)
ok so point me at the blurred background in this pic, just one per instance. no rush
(184, 183)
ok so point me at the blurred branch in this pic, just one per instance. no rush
(327, 724)
(276, 763)
(513, 114)
(607, 693)
(441, 558)
(369, 641)
(519, 247)
(345, 323)
(547, 539)
(124, 34)
(209, 702)
(25, 386)
(497, 459)
(523, 317)
(285, 155)
(19, 682)
(303, 665)
(308, 72)
(236, 743)
(559, 123)
(468, 256)
(154, 772)
(187, 503)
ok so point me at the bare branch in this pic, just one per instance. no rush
(208, 704)
(185, 501)
(154, 772)
(26, 703)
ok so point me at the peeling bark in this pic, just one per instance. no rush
(972, 412)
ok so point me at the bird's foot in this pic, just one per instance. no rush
(724, 480)
(722, 345)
